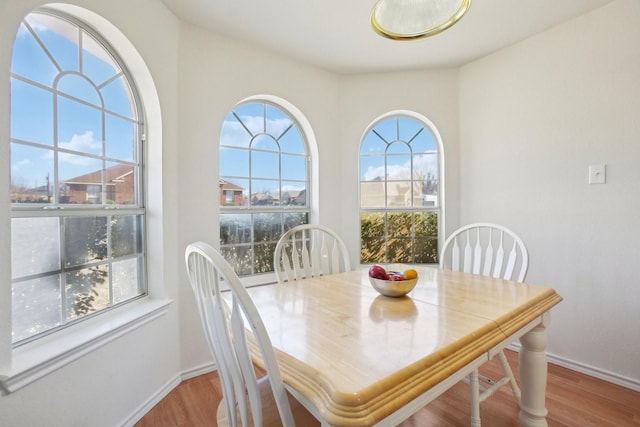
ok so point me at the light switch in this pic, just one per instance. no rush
(597, 174)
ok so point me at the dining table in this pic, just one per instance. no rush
(354, 357)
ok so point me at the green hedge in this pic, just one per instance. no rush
(406, 237)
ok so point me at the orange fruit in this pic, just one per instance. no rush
(410, 274)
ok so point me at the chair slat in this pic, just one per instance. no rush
(467, 255)
(322, 265)
(511, 262)
(497, 270)
(455, 255)
(477, 254)
(249, 401)
(285, 265)
(297, 266)
(488, 255)
(308, 251)
(335, 259)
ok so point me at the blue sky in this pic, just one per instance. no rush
(74, 97)
(272, 137)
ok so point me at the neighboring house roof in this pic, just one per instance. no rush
(114, 174)
(295, 197)
(226, 185)
(292, 193)
(263, 196)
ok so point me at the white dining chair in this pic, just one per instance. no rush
(489, 250)
(247, 400)
(309, 250)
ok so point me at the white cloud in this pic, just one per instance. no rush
(422, 165)
(84, 143)
(292, 188)
(19, 165)
(425, 164)
(394, 171)
(38, 22)
(233, 134)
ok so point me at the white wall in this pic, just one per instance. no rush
(533, 118)
(109, 385)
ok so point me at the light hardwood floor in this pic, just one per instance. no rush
(573, 399)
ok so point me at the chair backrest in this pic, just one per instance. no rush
(225, 330)
(486, 249)
(309, 250)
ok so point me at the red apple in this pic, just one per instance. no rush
(377, 272)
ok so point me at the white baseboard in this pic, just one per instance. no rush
(611, 377)
(630, 383)
(152, 401)
(165, 390)
(198, 370)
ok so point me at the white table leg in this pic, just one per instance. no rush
(533, 376)
(474, 386)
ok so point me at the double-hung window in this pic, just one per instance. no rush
(400, 191)
(77, 205)
(264, 181)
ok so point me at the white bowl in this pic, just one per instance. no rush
(393, 288)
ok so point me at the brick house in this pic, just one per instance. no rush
(230, 194)
(119, 180)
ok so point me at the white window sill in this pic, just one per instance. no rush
(258, 279)
(33, 361)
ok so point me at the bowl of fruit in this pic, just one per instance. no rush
(392, 283)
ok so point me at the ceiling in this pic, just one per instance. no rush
(336, 34)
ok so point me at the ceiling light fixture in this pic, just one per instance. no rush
(416, 19)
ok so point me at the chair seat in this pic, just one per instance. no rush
(271, 417)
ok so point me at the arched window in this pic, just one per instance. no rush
(77, 205)
(264, 183)
(400, 191)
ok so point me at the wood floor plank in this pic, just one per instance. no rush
(573, 400)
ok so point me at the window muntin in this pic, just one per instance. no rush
(399, 192)
(263, 183)
(76, 188)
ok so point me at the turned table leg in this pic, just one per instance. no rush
(533, 376)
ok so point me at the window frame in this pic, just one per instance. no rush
(252, 210)
(65, 211)
(30, 362)
(439, 209)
